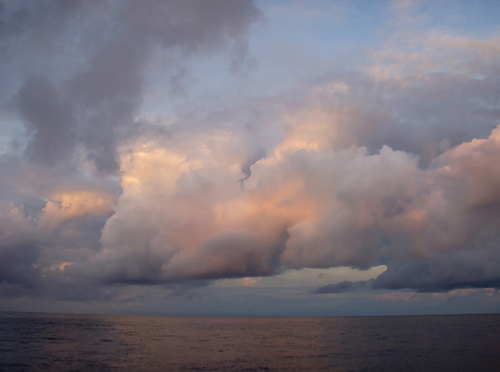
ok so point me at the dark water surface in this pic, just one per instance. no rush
(55, 342)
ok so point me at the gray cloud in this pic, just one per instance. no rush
(462, 269)
(18, 271)
(344, 286)
(74, 73)
(48, 117)
(353, 168)
(88, 87)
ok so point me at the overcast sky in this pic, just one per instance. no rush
(222, 157)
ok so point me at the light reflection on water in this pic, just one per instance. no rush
(145, 343)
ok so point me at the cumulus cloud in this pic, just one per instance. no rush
(450, 231)
(394, 164)
(185, 214)
(74, 76)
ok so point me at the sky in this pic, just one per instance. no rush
(254, 158)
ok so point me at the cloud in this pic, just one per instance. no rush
(303, 205)
(75, 76)
(449, 231)
(68, 206)
(394, 165)
(344, 286)
(329, 193)
(81, 102)
(20, 249)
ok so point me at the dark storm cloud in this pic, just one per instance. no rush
(455, 270)
(344, 286)
(78, 67)
(18, 271)
(49, 118)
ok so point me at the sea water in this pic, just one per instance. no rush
(56, 342)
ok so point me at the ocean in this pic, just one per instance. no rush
(68, 342)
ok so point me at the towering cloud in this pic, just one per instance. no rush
(78, 67)
(187, 215)
(392, 162)
(75, 75)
